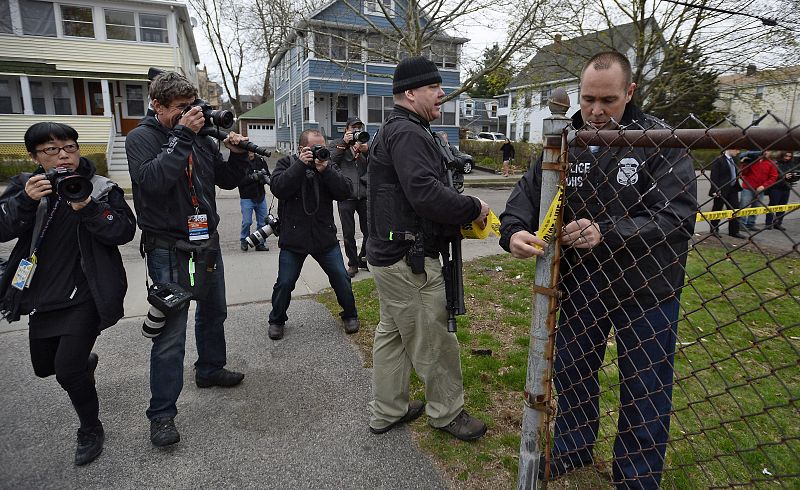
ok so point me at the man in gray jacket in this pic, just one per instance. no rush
(352, 158)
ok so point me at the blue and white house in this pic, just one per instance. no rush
(335, 66)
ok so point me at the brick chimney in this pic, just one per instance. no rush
(751, 70)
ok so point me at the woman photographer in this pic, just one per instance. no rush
(65, 270)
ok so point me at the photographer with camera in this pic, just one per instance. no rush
(173, 171)
(351, 155)
(253, 198)
(414, 214)
(306, 185)
(68, 223)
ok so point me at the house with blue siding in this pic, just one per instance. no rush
(337, 65)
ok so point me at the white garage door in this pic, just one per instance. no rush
(261, 134)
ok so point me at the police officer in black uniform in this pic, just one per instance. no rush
(413, 213)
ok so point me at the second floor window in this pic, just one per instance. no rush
(77, 21)
(120, 25)
(378, 108)
(5, 17)
(373, 7)
(338, 45)
(544, 95)
(38, 18)
(153, 28)
(760, 92)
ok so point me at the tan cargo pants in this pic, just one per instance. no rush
(413, 333)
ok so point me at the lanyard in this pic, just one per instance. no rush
(195, 200)
(44, 230)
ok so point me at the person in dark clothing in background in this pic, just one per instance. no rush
(352, 158)
(725, 190)
(173, 172)
(306, 188)
(788, 174)
(253, 198)
(79, 283)
(508, 155)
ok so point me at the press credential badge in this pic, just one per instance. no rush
(24, 273)
(198, 227)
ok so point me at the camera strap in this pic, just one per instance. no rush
(195, 200)
(35, 244)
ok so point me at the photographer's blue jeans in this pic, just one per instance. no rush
(749, 199)
(169, 348)
(248, 206)
(289, 266)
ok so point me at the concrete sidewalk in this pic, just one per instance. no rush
(299, 419)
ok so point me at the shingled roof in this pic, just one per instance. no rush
(564, 59)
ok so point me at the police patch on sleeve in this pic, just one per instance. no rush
(628, 171)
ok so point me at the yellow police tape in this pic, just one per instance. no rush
(718, 215)
(548, 226)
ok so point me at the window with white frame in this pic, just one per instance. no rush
(285, 112)
(306, 105)
(760, 92)
(526, 131)
(544, 95)
(120, 25)
(491, 109)
(443, 54)
(502, 102)
(38, 18)
(62, 99)
(373, 7)
(37, 98)
(135, 100)
(153, 28)
(76, 21)
(469, 108)
(513, 131)
(342, 108)
(6, 106)
(5, 17)
(377, 49)
(378, 108)
(448, 114)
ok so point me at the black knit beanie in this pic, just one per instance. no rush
(414, 73)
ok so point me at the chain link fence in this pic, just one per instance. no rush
(675, 338)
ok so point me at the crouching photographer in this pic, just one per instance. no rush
(253, 198)
(173, 171)
(65, 270)
(306, 185)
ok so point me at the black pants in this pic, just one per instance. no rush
(728, 200)
(66, 356)
(347, 210)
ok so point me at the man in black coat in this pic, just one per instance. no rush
(253, 198)
(352, 158)
(306, 185)
(725, 190)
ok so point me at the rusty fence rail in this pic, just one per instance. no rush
(709, 400)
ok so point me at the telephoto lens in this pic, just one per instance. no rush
(320, 153)
(260, 235)
(153, 323)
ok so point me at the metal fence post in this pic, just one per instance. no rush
(540, 361)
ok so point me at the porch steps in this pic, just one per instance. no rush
(118, 163)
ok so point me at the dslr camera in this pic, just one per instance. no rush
(221, 118)
(259, 177)
(359, 137)
(69, 185)
(260, 235)
(320, 153)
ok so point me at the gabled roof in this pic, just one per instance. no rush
(263, 111)
(781, 75)
(564, 59)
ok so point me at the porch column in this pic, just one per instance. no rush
(27, 100)
(312, 113)
(106, 98)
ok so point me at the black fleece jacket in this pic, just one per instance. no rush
(644, 201)
(105, 223)
(305, 204)
(158, 160)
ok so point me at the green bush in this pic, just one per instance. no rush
(12, 166)
(487, 153)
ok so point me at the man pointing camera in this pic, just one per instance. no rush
(173, 172)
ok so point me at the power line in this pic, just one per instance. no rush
(764, 20)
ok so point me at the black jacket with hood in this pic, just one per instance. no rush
(644, 201)
(158, 160)
(305, 204)
(105, 223)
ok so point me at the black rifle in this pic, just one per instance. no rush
(451, 270)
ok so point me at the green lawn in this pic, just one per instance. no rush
(736, 391)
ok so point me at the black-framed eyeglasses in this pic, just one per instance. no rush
(55, 150)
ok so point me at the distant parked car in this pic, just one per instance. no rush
(464, 160)
(491, 136)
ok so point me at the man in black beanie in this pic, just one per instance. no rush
(413, 213)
